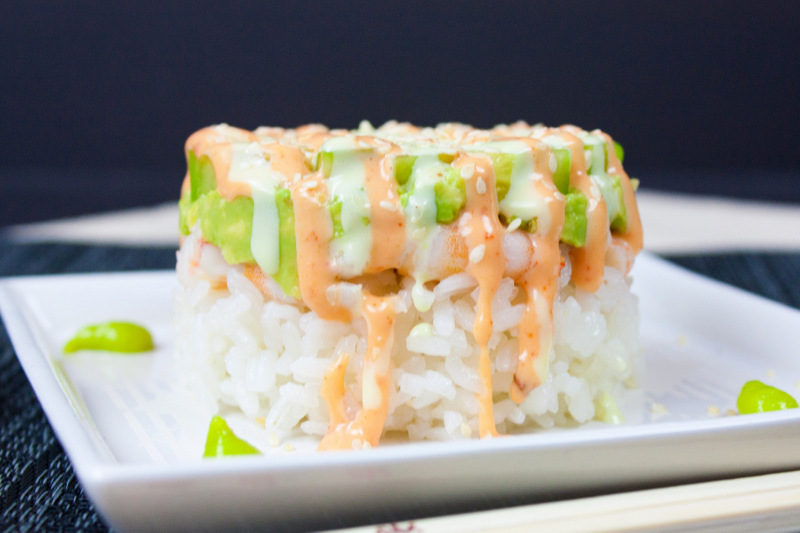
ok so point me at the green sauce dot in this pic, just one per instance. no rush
(221, 441)
(758, 397)
(124, 337)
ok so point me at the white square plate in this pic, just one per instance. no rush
(135, 442)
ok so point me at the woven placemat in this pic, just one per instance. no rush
(38, 488)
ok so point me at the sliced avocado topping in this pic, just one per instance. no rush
(451, 195)
(286, 276)
(184, 204)
(561, 175)
(201, 175)
(403, 165)
(619, 151)
(228, 225)
(575, 219)
(610, 186)
(325, 161)
(611, 189)
(598, 162)
(503, 165)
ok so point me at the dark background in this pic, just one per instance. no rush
(97, 98)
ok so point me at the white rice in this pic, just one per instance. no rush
(269, 358)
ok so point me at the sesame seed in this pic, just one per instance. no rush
(487, 225)
(466, 231)
(480, 186)
(310, 184)
(477, 253)
(389, 206)
(467, 171)
(515, 224)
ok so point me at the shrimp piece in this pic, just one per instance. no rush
(449, 254)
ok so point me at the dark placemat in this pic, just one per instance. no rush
(38, 488)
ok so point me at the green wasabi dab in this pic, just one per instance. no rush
(221, 441)
(758, 397)
(124, 337)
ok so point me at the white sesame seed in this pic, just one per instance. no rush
(310, 184)
(480, 186)
(465, 218)
(466, 231)
(389, 206)
(515, 224)
(487, 225)
(553, 163)
(477, 253)
(467, 171)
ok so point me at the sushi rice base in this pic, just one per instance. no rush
(234, 347)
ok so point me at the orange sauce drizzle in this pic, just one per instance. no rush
(540, 281)
(366, 428)
(588, 261)
(486, 264)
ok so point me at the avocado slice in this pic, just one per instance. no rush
(561, 175)
(286, 276)
(611, 189)
(184, 204)
(451, 195)
(619, 151)
(202, 178)
(503, 165)
(228, 225)
(575, 219)
(325, 161)
(610, 186)
(403, 166)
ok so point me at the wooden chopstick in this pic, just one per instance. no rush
(760, 503)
